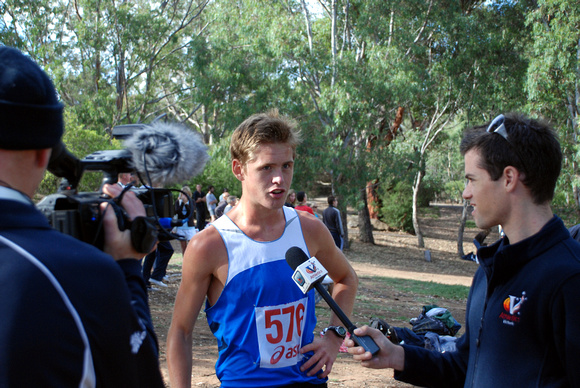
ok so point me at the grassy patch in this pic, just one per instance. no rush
(397, 299)
(470, 224)
(430, 212)
(430, 289)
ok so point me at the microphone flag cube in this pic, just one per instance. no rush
(308, 274)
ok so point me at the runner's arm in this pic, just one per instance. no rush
(197, 273)
(321, 245)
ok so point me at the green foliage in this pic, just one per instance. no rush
(397, 208)
(218, 171)
(569, 215)
(553, 79)
(452, 191)
(204, 64)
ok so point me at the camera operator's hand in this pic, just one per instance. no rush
(118, 243)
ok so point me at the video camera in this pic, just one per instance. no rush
(79, 215)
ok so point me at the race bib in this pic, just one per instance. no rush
(280, 331)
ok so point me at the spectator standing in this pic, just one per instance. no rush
(211, 202)
(237, 267)
(332, 220)
(200, 207)
(522, 308)
(185, 211)
(155, 265)
(301, 197)
(71, 315)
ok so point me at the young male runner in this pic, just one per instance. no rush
(262, 321)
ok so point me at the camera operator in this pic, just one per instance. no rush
(71, 315)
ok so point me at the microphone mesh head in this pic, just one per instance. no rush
(295, 256)
(167, 152)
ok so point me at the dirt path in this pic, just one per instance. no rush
(365, 269)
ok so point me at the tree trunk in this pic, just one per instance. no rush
(416, 226)
(460, 251)
(364, 221)
(333, 39)
(308, 24)
(373, 199)
(343, 215)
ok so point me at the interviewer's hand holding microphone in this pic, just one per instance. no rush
(308, 274)
(388, 356)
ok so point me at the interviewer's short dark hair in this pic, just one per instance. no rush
(300, 196)
(532, 147)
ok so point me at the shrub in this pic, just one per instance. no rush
(397, 206)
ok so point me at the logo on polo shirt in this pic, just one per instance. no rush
(512, 306)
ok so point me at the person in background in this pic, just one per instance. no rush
(125, 178)
(219, 210)
(575, 232)
(314, 209)
(200, 207)
(232, 200)
(290, 198)
(211, 202)
(185, 211)
(71, 315)
(263, 323)
(155, 265)
(301, 197)
(522, 308)
(332, 220)
(224, 195)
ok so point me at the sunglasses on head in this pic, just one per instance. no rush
(497, 126)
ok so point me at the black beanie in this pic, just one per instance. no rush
(30, 114)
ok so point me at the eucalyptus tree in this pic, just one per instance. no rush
(458, 68)
(384, 58)
(113, 61)
(237, 66)
(553, 79)
(356, 86)
(131, 54)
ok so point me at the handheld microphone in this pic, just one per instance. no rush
(308, 274)
(167, 153)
